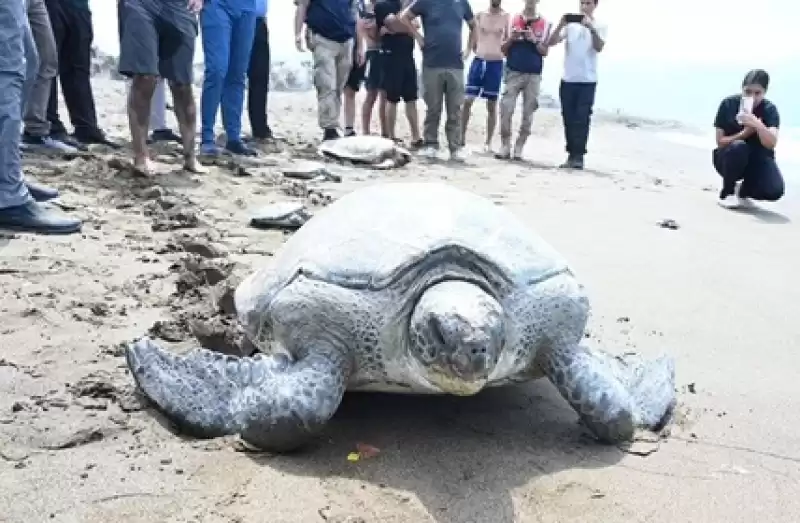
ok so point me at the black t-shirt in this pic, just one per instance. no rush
(726, 119)
(401, 44)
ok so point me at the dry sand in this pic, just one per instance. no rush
(717, 293)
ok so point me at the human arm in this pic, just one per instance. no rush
(299, 22)
(195, 6)
(542, 46)
(559, 33)
(766, 128)
(726, 107)
(472, 40)
(598, 33)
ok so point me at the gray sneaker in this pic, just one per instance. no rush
(46, 142)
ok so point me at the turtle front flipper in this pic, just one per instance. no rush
(614, 396)
(273, 403)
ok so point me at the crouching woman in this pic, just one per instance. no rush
(747, 133)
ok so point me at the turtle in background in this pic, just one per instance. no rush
(416, 288)
(375, 151)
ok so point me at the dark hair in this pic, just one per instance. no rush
(757, 77)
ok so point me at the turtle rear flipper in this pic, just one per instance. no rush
(273, 403)
(614, 396)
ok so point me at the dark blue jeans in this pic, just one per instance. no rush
(577, 100)
(761, 179)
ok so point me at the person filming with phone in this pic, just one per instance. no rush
(747, 133)
(584, 38)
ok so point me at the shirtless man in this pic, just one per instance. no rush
(486, 71)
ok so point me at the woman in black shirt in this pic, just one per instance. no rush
(747, 132)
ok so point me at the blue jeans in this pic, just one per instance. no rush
(228, 31)
(18, 61)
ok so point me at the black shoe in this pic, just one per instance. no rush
(330, 134)
(238, 147)
(577, 162)
(573, 162)
(349, 131)
(69, 140)
(266, 135)
(99, 139)
(164, 135)
(41, 193)
(33, 217)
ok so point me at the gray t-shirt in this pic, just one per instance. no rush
(442, 22)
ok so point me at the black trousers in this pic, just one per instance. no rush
(72, 28)
(761, 179)
(258, 82)
(577, 101)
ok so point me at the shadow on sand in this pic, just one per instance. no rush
(461, 457)
(763, 215)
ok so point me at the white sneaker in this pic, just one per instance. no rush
(743, 202)
(428, 153)
(458, 155)
(730, 202)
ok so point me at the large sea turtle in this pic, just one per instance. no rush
(376, 151)
(410, 288)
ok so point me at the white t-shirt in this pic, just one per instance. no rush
(580, 57)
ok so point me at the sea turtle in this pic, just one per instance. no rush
(409, 288)
(376, 151)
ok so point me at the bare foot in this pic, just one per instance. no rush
(193, 166)
(143, 167)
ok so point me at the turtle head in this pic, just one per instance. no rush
(456, 335)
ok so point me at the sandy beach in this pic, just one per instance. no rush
(160, 255)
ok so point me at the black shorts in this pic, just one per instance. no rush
(157, 39)
(365, 72)
(400, 78)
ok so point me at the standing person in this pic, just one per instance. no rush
(584, 41)
(158, 107)
(373, 74)
(258, 76)
(158, 41)
(365, 23)
(19, 209)
(330, 36)
(443, 68)
(37, 126)
(400, 70)
(71, 21)
(747, 133)
(525, 49)
(228, 30)
(486, 71)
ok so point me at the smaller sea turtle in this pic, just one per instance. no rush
(376, 151)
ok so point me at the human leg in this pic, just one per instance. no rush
(75, 70)
(60, 28)
(531, 84)
(352, 85)
(372, 82)
(18, 210)
(762, 179)
(492, 79)
(242, 37)
(472, 90)
(433, 93)
(216, 31)
(410, 94)
(324, 54)
(345, 64)
(731, 163)
(36, 123)
(176, 54)
(568, 97)
(583, 119)
(258, 82)
(454, 100)
(515, 82)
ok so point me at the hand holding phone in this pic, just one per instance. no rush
(575, 18)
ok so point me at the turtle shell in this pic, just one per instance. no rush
(374, 236)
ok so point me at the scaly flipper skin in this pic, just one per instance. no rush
(273, 403)
(614, 396)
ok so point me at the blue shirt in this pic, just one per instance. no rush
(261, 7)
(442, 22)
(332, 19)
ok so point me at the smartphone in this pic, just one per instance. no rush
(573, 18)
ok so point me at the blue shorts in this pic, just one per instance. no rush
(484, 78)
